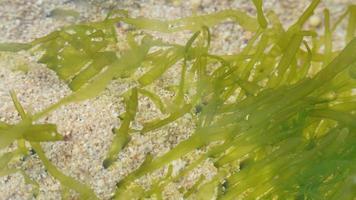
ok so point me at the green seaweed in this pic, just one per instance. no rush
(122, 134)
(61, 13)
(276, 119)
(66, 181)
(154, 98)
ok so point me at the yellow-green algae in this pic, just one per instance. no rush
(283, 108)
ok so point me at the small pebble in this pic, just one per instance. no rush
(314, 21)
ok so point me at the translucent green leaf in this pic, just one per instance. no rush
(260, 16)
(352, 71)
(84, 191)
(196, 22)
(122, 136)
(14, 47)
(161, 63)
(150, 126)
(62, 13)
(351, 28)
(154, 98)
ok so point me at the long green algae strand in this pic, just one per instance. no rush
(67, 181)
(122, 136)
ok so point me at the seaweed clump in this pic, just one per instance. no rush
(280, 113)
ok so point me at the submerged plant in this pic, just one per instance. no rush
(277, 119)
